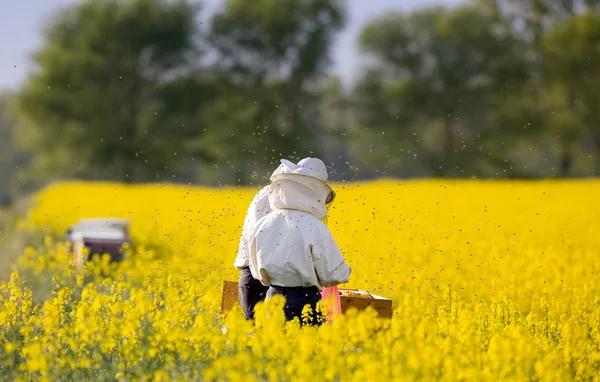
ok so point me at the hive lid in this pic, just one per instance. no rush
(102, 222)
(371, 295)
(107, 228)
(103, 234)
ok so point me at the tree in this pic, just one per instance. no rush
(543, 109)
(102, 103)
(535, 17)
(572, 57)
(338, 123)
(272, 56)
(434, 77)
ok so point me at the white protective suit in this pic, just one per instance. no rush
(260, 206)
(291, 246)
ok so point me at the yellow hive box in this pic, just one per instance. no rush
(349, 298)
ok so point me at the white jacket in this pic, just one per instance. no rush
(291, 247)
(260, 207)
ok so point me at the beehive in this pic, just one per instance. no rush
(352, 298)
(98, 235)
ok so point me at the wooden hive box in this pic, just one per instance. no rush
(349, 298)
(98, 235)
(230, 295)
(361, 300)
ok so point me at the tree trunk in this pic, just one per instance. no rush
(566, 163)
(597, 164)
(130, 152)
(448, 146)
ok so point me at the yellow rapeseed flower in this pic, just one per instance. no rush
(489, 281)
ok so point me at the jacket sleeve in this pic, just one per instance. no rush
(330, 266)
(243, 252)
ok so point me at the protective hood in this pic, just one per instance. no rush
(281, 169)
(312, 167)
(293, 191)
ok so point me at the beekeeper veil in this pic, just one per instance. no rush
(301, 187)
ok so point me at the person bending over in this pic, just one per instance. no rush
(291, 250)
(250, 290)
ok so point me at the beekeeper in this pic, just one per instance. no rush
(250, 290)
(291, 249)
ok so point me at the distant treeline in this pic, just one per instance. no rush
(142, 90)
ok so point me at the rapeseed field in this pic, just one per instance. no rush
(489, 281)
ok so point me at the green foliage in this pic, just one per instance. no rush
(573, 54)
(271, 57)
(436, 75)
(95, 105)
(270, 39)
(135, 90)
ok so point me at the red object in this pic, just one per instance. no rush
(332, 302)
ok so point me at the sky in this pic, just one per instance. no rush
(21, 23)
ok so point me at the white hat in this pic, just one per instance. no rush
(313, 167)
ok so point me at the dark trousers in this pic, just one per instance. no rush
(295, 300)
(250, 292)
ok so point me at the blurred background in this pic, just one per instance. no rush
(216, 92)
